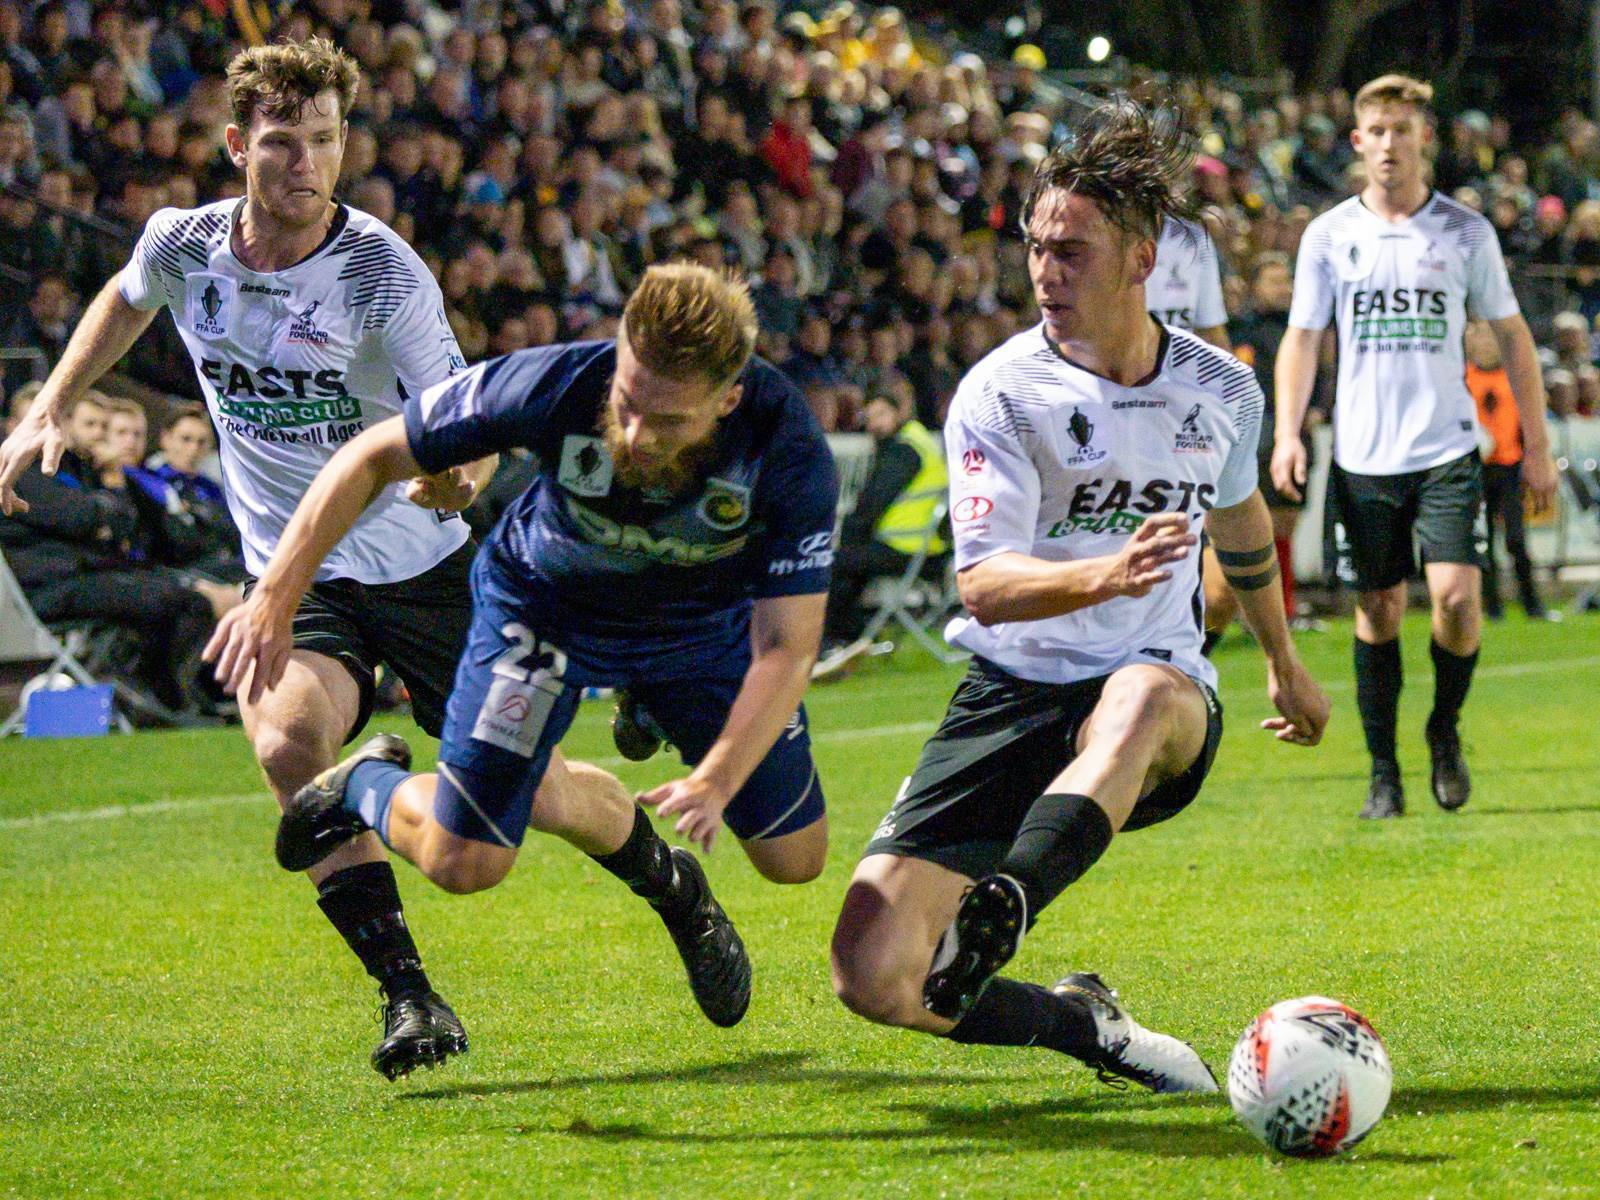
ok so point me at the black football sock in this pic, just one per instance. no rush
(1378, 681)
(363, 902)
(1061, 837)
(1009, 1013)
(644, 863)
(1452, 677)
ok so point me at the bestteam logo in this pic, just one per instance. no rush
(212, 299)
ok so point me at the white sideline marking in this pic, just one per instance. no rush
(157, 807)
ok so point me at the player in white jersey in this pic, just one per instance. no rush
(1185, 291)
(1399, 268)
(308, 321)
(1086, 454)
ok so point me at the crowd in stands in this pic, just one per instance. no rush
(865, 175)
(540, 154)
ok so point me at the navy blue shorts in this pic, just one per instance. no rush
(514, 700)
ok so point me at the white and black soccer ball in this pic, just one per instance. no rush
(1310, 1077)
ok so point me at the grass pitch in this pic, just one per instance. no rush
(182, 1021)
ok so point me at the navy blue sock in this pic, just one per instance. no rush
(369, 790)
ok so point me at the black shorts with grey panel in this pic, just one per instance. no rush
(1001, 742)
(1375, 517)
(416, 627)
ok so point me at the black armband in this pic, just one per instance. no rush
(1249, 570)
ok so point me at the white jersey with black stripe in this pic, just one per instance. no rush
(1401, 292)
(1185, 289)
(295, 363)
(1052, 461)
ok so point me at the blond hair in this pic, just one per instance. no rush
(279, 80)
(128, 408)
(1394, 89)
(687, 320)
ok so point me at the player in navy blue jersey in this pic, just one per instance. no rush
(676, 543)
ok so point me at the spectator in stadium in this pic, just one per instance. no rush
(43, 325)
(888, 523)
(1569, 368)
(1502, 475)
(68, 550)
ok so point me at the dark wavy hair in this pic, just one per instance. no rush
(1132, 162)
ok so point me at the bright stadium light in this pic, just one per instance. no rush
(1099, 49)
(1015, 27)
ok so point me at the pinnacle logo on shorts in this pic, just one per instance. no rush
(211, 301)
(1082, 431)
(725, 505)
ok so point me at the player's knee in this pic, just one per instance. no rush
(1457, 606)
(1136, 702)
(870, 969)
(792, 868)
(870, 987)
(290, 755)
(465, 869)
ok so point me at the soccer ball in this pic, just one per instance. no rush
(1310, 1077)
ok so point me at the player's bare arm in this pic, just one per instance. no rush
(1019, 587)
(257, 633)
(1293, 378)
(1521, 360)
(1242, 535)
(785, 632)
(109, 327)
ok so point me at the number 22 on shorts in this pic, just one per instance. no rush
(526, 684)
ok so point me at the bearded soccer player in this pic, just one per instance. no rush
(1399, 268)
(1107, 442)
(675, 542)
(308, 321)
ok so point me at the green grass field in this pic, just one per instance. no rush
(182, 1022)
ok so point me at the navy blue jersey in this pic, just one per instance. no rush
(612, 573)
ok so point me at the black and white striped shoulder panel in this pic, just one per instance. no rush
(381, 277)
(175, 247)
(1220, 373)
(1463, 225)
(1329, 228)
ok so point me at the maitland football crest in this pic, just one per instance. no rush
(1191, 438)
(724, 505)
(211, 304)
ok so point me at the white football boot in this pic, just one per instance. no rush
(1128, 1050)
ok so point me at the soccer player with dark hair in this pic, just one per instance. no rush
(1399, 268)
(1096, 446)
(308, 321)
(675, 542)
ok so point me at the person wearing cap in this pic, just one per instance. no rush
(1020, 91)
